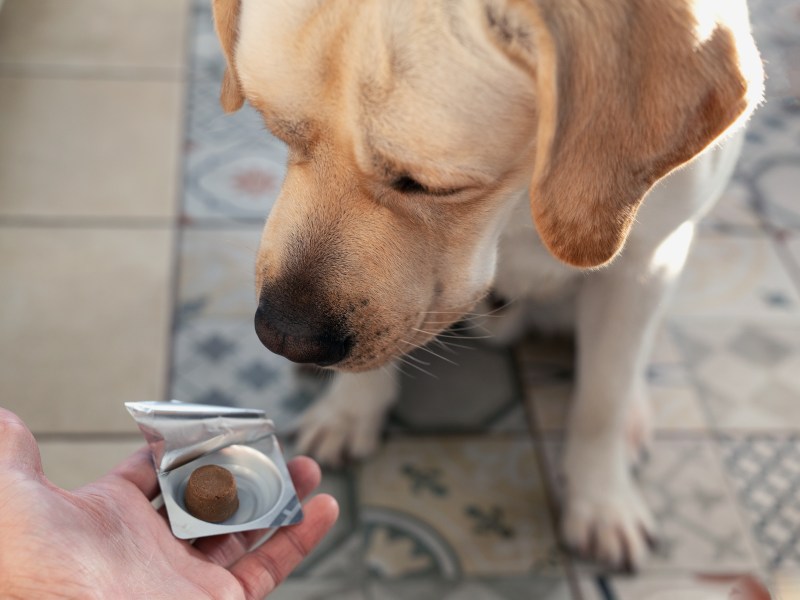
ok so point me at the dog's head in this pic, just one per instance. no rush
(411, 124)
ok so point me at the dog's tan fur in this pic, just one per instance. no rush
(484, 97)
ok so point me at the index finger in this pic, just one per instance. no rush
(263, 569)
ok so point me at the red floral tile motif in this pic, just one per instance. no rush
(253, 182)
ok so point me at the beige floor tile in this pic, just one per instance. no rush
(85, 324)
(548, 385)
(675, 406)
(115, 33)
(71, 464)
(735, 277)
(748, 372)
(470, 505)
(89, 148)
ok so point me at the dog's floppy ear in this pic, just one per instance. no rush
(226, 22)
(626, 92)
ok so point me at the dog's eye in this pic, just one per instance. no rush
(407, 185)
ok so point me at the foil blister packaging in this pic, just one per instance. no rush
(183, 437)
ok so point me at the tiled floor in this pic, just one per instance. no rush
(129, 218)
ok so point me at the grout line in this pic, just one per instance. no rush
(134, 222)
(224, 223)
(547, 475)
(86, 222)
(785, 256)
(93, 72)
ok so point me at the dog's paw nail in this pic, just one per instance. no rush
(613, 528)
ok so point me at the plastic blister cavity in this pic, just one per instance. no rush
(183, 437)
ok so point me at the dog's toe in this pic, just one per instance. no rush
(333, 437)
(613, 527)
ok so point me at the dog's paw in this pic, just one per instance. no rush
(347, 421)
(609, 524)
(334, 437)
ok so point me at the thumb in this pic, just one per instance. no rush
(18, 448)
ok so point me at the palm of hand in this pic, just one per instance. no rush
(106, 540)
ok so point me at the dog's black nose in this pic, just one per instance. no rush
(299, 336)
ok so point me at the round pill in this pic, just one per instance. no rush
(211, 494)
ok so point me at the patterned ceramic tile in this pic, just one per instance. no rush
(766, 474)
(772, 135)
(206, 54)
(676, 406)
(776, 28)
(217, 273)
(233, 166)
(673, 587)
(769, 162)
(547, 380)
(792, 245)
(340, 556)
(221, 361)
(737, 209)
(472, 388)
(451, 507)
(700, 530)
(237, 178)
(314, 589)
(735, 276)
(748, 372)
(521, 588)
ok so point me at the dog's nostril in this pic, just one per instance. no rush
(299, 340)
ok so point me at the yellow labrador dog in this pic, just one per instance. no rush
(439, 147)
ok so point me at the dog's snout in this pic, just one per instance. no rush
(301, 336)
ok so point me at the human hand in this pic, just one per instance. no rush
(105, 540)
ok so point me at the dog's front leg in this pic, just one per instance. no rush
(347, 420)
(619, 310)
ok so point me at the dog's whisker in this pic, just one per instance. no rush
(385, 368)
(396, 366)
(444, 358)
(451, 345)
(453, 336)
(440, 336)
(459, 337)
(465, 327)
(410, 364)
(444, 345)
(444, 332)
(460, 315)
(448, 323)
(418, 360)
